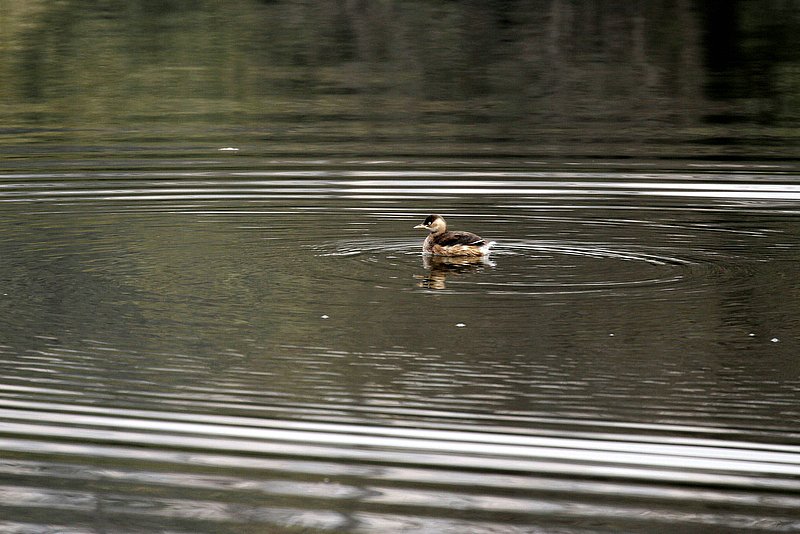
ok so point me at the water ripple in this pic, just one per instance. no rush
(540, 265)
(396, 475)
(148, 186)
(507, 452)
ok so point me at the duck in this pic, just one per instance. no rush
(442, 242)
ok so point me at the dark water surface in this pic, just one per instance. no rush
(214, 312)
(265, 348)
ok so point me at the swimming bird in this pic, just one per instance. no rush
(441, 242)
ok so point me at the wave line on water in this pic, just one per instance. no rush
(409, 184)
(507, 449)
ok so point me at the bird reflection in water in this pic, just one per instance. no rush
(441, 267)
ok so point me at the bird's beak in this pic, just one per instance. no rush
(422, 226)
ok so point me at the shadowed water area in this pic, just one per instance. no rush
(215, 315)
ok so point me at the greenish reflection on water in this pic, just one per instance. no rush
(548, 78)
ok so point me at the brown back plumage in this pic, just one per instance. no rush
(449, 239)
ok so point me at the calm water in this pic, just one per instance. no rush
(214, 312)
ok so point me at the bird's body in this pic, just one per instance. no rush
(441, 242)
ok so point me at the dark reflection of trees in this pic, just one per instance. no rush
(751, 54)
(547, 71)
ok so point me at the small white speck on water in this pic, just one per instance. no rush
(324, 317)
(774, 339)
(611, 334)
(751, 334)
(460, 325)
(228, 149)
